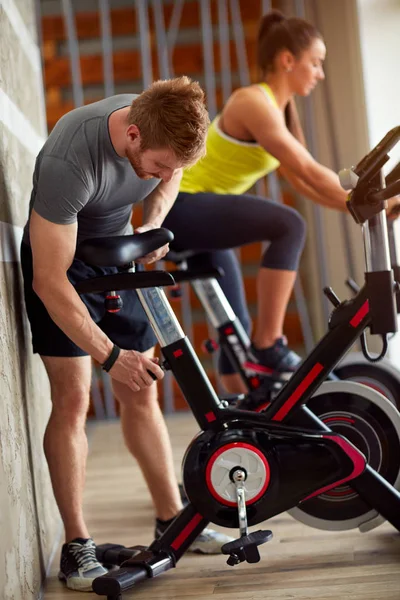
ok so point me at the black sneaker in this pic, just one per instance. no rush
(182, 493)
(277, 361)
(259, 399)
(207, 542)
(79, 565)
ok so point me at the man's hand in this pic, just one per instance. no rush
(393, 207)
(152, 256)
(132, 368)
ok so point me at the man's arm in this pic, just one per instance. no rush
(155, 208)
(53, 249)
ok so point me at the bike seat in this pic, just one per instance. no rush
(121, 250)
(179, 256)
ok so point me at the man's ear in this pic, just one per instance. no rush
(133, 133)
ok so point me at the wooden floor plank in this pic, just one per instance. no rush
(299, 563)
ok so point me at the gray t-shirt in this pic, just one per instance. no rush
(79, 176)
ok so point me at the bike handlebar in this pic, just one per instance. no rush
(372, 163)
(366, 204)
(393, 189)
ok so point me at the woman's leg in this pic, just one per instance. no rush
(215, 222)
(271, 307)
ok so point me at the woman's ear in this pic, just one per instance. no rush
(286, 61)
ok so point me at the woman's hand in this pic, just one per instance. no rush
(393, 207)
(156, 254)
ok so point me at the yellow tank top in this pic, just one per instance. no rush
(230, 166)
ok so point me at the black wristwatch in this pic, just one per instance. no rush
(107, 364)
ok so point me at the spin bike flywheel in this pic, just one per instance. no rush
(372, 424)
(381, 376)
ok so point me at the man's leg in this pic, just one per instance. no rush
(147, 439)
(65, 442)
(65, 446)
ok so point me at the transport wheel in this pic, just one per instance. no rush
(382, 376)
(372, 423)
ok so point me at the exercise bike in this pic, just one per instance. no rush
(195, 268)
(245, 467)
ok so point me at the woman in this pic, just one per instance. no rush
(256, 133)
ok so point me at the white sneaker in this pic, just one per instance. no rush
(209, 542)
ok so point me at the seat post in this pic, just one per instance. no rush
(211, 296)
(161, 316)
(181, 358)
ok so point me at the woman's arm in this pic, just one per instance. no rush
(305, 190)
(156, 206)
(267, 126)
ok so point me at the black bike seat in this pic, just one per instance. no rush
(121, 250)
(179, 256)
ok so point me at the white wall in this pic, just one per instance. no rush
(379, 24)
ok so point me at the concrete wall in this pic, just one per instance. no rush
(29, 520)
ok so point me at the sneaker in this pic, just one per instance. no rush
(277, 361)
(208, 542)
(259, 399)
(79, 565)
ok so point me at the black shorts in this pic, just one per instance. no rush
(129, 328)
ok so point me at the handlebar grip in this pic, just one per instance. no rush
(115, 582)
(376, 158)
(152, 374)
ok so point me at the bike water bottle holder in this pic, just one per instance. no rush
(365, 351)
(381, 288)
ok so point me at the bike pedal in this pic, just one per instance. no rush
(245, 547)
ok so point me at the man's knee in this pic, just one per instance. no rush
(70, 404)
(141, 401)
(70, 380)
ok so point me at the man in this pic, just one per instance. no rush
(98, 161)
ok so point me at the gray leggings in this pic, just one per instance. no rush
(213, 224)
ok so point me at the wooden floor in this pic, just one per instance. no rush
(299, 563)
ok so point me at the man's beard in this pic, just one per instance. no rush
(134, 157)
